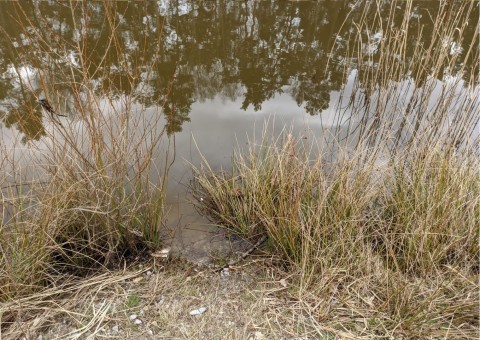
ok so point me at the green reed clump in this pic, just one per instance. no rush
(394, 231)
(278, 190)
(431, 212)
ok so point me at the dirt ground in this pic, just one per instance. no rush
(159, 301)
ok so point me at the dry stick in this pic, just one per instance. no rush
(242, 257)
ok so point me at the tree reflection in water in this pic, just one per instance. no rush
(174, 53)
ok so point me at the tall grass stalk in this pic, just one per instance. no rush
(412, 86)
(90, 193)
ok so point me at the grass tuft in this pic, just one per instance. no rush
(394, 239)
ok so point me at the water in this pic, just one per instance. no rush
(216, 70)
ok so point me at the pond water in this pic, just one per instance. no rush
(217, 70)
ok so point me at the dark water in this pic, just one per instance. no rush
(215, 69)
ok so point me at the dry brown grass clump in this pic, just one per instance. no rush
(88, 191)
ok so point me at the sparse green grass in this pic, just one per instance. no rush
(133, 300)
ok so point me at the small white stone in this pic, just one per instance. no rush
(259, 336)
(162, 300)
(132, 317)
(115, 329)
(198, 311)
(150, 332)
(138, 322)
(149, 273)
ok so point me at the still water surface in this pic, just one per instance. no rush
(216, 70)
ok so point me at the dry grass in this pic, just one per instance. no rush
(379, 226)
(257, 300)
(242, 305)
(410, 86)
(374, 248)
(89, 193)
(375, 237)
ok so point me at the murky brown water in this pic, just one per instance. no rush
(216, 69)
